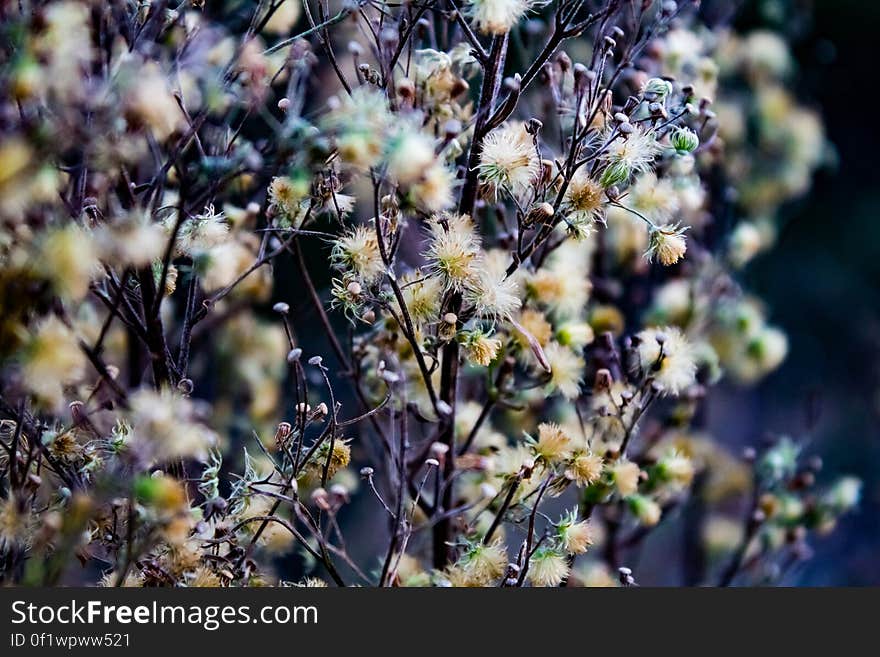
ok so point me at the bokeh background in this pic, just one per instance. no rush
(822, 284)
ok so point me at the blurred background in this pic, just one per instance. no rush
(822, 285)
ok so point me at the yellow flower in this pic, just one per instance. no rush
(584, 202)
(575, 537)
(454, 249)
(547, 568)
(481, 349)
(625, 475)
(553, 444)
(483, 564)
(584, 468)
(69, 259)
(433, 191)
(358, 251)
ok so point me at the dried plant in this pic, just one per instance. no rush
(508, 223)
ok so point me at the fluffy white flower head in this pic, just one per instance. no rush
(667, 356)
(509, 159)
(498, 16)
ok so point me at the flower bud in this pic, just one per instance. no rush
(615, 174)
(657, 89)
(684, 141)
(645, 509)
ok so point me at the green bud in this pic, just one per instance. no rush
(615, 174)
(575, 334)
(684, 141)
(645, 509)
(146, 489)
(657, 89)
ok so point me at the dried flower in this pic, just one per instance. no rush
(553, 444)
(625, 476)
(667, 357)
(52, 360)
(483, 564)
(165, 428)
(358, 251)
(547, 567)
(509, 160)
(632, 153)
(574, 537)
(498, 16)
(584, 468)
(667, 244)
(566, 370)
(584, 203)
(480, 348)
(68, 259)
(453, 250)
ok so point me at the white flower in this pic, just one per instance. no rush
(498, 16)
(667, 357)
(202, 232)
(744, 244)
(509, 160)
(566, 369)
(563, 284)
(493, 294)
(493, 297)
(483, 563)
(360, 121)
(547, 567)
(480, 348)
(574, 537)
(68, 258)
(656, 199)
(845, 494)
(433, 191)
(53, 359)
(165, 429)
(149, 102)
(358, 251)
(553, 443)
(453, 249)
(635, 151)
(576, 335)
(766, 53)
(667, 244)
(410, 154)
(286, 197)
(584, 203)
(769, 347)
(625, 475)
